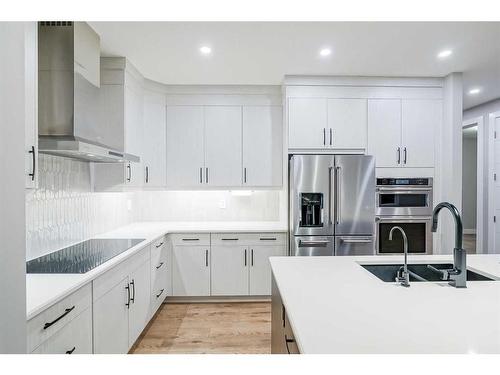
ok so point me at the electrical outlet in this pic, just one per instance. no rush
(222, 203)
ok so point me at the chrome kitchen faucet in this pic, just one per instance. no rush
(403, 276)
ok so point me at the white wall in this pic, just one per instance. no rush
(63, 210)
(469, 185)
(12, 219)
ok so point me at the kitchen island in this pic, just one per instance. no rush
(334, 305)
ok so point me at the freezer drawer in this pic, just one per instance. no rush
(312, 246)
(354, 245)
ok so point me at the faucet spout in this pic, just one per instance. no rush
(404, 277)
(458, 221)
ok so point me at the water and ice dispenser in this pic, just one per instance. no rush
(311, 209)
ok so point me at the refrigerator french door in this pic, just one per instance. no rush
(332, 195)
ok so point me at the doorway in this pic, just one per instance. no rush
(470, 186)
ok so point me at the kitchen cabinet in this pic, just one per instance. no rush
(347, 123)
(229, 274)
(223, 146)
(154, 146)
(31, 104)
(74, 338)
(185, 146)
(307, 123)
(262, 146)
(191, 268)
(121, 114)
(401, 133)
(326, 124)
(260, 268)
(139, 312)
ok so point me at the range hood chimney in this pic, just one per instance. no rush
(69, 110)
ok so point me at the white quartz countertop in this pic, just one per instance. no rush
(336, 306)
(43, 290)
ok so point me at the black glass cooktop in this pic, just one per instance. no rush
(82, 257)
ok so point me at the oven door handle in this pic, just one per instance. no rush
(313, 243)
(356, 240)
(403, 189)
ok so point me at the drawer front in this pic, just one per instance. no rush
(49, 322)
(74, 338)
(190, 239)
(221, 239)
(108, 280)
(159, 290)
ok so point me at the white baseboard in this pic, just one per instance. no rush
(217, 299)
(469, 231)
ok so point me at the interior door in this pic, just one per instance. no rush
(185, 146)
(140, 283)
(307, 123)
(223, 145)
(262, 145)
(191, 271)
(494, 217)
(384, 131)
(347, 123)
(354, 195)
(260, 268)
(420, 121)
(110, 321)
(229, 273)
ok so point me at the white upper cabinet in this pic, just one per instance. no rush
(307, 123)
(154, 144)
(420, 121)
(223, 145)
(347, 123)
(185, 146)
(262, 145)
(31, 104)
(384, 131)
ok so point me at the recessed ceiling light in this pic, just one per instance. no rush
(205, 50)
(475, 91)
(445, 53)
(325, 52)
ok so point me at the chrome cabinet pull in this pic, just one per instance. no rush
(133, 291)
(33, 158)
(404, 158)
(206, 258)
(128, 296)
(399, 155)
(66, 312)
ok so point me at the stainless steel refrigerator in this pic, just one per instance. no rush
(332, 204)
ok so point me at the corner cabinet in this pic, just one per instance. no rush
(224, 146)
(401, 133)
(327, 124)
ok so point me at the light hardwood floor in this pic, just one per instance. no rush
(195, 328)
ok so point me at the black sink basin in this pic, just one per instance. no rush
(388, 272)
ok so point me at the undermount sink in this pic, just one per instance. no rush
(387, 272)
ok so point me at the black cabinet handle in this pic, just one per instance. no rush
(331, 136)
(288, 340)
(33, 158)
(147, 175)
(159, 294)
(66, 312)
(133, 291)
(245, 257)
(268, 238)
(245, 175)
(159, 245)
(71, 351)
(206, 258)
(404, 151)
(229, 239)
(128, 296)
(190, 239)
(158, 266)
(206, 174)
(129, 178)
(251, 258)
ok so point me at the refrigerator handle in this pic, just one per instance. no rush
(338, 195)
(330, 200)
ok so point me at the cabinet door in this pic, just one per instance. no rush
(307, 123)
(185, 146)
(140, 296)
(223, 146)
(262, 145)
(347, 124)
(31, 104)
(384, 131)
(420, 119)
(260, 268)
(111, 321)
(191, 271)
(134, 133)
(229, 274)
(154, 146)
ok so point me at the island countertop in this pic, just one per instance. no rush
(336, 306)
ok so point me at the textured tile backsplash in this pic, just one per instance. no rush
(63, 210)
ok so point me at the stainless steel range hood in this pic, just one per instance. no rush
(69, 106)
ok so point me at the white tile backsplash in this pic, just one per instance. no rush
(64, 210)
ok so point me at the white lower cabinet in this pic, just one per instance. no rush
(140, 283)
(161, 272)
(260, 268)
(74, 338)
(229, 274)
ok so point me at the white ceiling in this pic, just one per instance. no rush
(263, 52)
